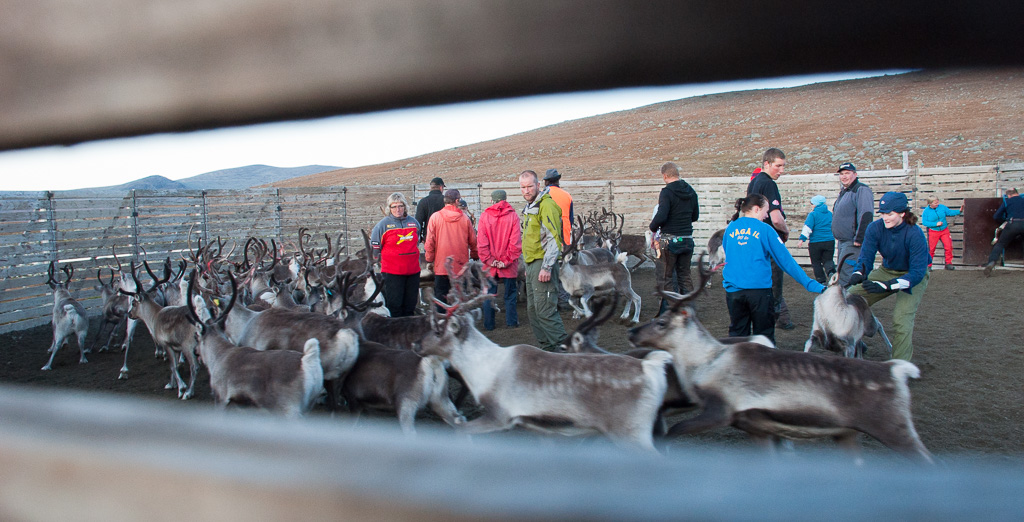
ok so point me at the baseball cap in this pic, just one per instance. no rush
(499, 195)
(847, 166)
(892, 202)
(437, 181)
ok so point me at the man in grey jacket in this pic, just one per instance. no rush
(851, 215)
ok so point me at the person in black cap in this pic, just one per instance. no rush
(1012, 212)
(564, 202)
(851, 214)
(904, 270)
(430, 203)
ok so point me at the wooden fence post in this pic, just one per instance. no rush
(51, 220)
(206, 237)
(344, 216)
(277, 213)
(611, 197)
(135, 226)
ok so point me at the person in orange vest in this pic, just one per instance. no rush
(564, 201)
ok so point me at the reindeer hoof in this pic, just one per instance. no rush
(460, 420)
(46, 368)
(82, 361)
(122, 375)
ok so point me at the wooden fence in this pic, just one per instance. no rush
(85, 228)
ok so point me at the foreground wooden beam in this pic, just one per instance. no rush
(76, 71)
(65, 455)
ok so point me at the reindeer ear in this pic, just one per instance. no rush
(455, 326)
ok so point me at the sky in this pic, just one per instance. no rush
(341, 141)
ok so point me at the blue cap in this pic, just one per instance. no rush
(892, 202)
(818, 200)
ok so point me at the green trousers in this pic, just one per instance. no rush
(542, 307)
(903, 314)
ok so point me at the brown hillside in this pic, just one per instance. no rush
(942, 117)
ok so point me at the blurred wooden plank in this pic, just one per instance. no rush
(138, 458)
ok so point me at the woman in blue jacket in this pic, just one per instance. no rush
(749, 245)
(904, 270)
(822, 244)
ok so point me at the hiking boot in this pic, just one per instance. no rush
(950, 267)
(988, 268)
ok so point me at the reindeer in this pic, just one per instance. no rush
(584, 281)
(115, 309)
(281, 329)
(563, 394)
(584, 340)
(280, 381)
(69, 317)
(172, 330)
(396, 379)
(779, 393)
(842, 320)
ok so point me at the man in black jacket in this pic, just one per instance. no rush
(431, 203)
(677, 210)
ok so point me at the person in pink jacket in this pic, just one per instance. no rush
(500, 242)
(449, 234)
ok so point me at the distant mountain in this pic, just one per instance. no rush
(234, 178)
(249, 176)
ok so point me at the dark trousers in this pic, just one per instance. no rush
(676, 276)
(511, 296)
(442, 285)
(751, 312)
(781, 310)
(822, 253)
(1013, 229)
(401, 293)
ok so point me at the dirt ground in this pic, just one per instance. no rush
(968, 402)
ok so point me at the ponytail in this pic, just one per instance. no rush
(747, 203)
(909, 217)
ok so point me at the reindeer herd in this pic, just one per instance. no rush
(281, 329)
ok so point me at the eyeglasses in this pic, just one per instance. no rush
(398, 206)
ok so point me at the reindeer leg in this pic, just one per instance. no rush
(849, 443)
(193, 369)
(714, 415)
(407, 409)
(635, 299)
(57, 342)
(487, 423)
(129, 333)
(81, 347)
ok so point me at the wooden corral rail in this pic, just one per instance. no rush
(91, 456)
(83, 227)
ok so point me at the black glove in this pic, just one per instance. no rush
(856, 277)
(878, 287)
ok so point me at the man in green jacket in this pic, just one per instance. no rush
(542, 247)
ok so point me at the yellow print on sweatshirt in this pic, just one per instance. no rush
(743, 235)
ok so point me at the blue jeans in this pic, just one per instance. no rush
(511, 296)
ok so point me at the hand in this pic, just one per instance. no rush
(856, 277)
(544, 276)
(800, 244)
(878, 287)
